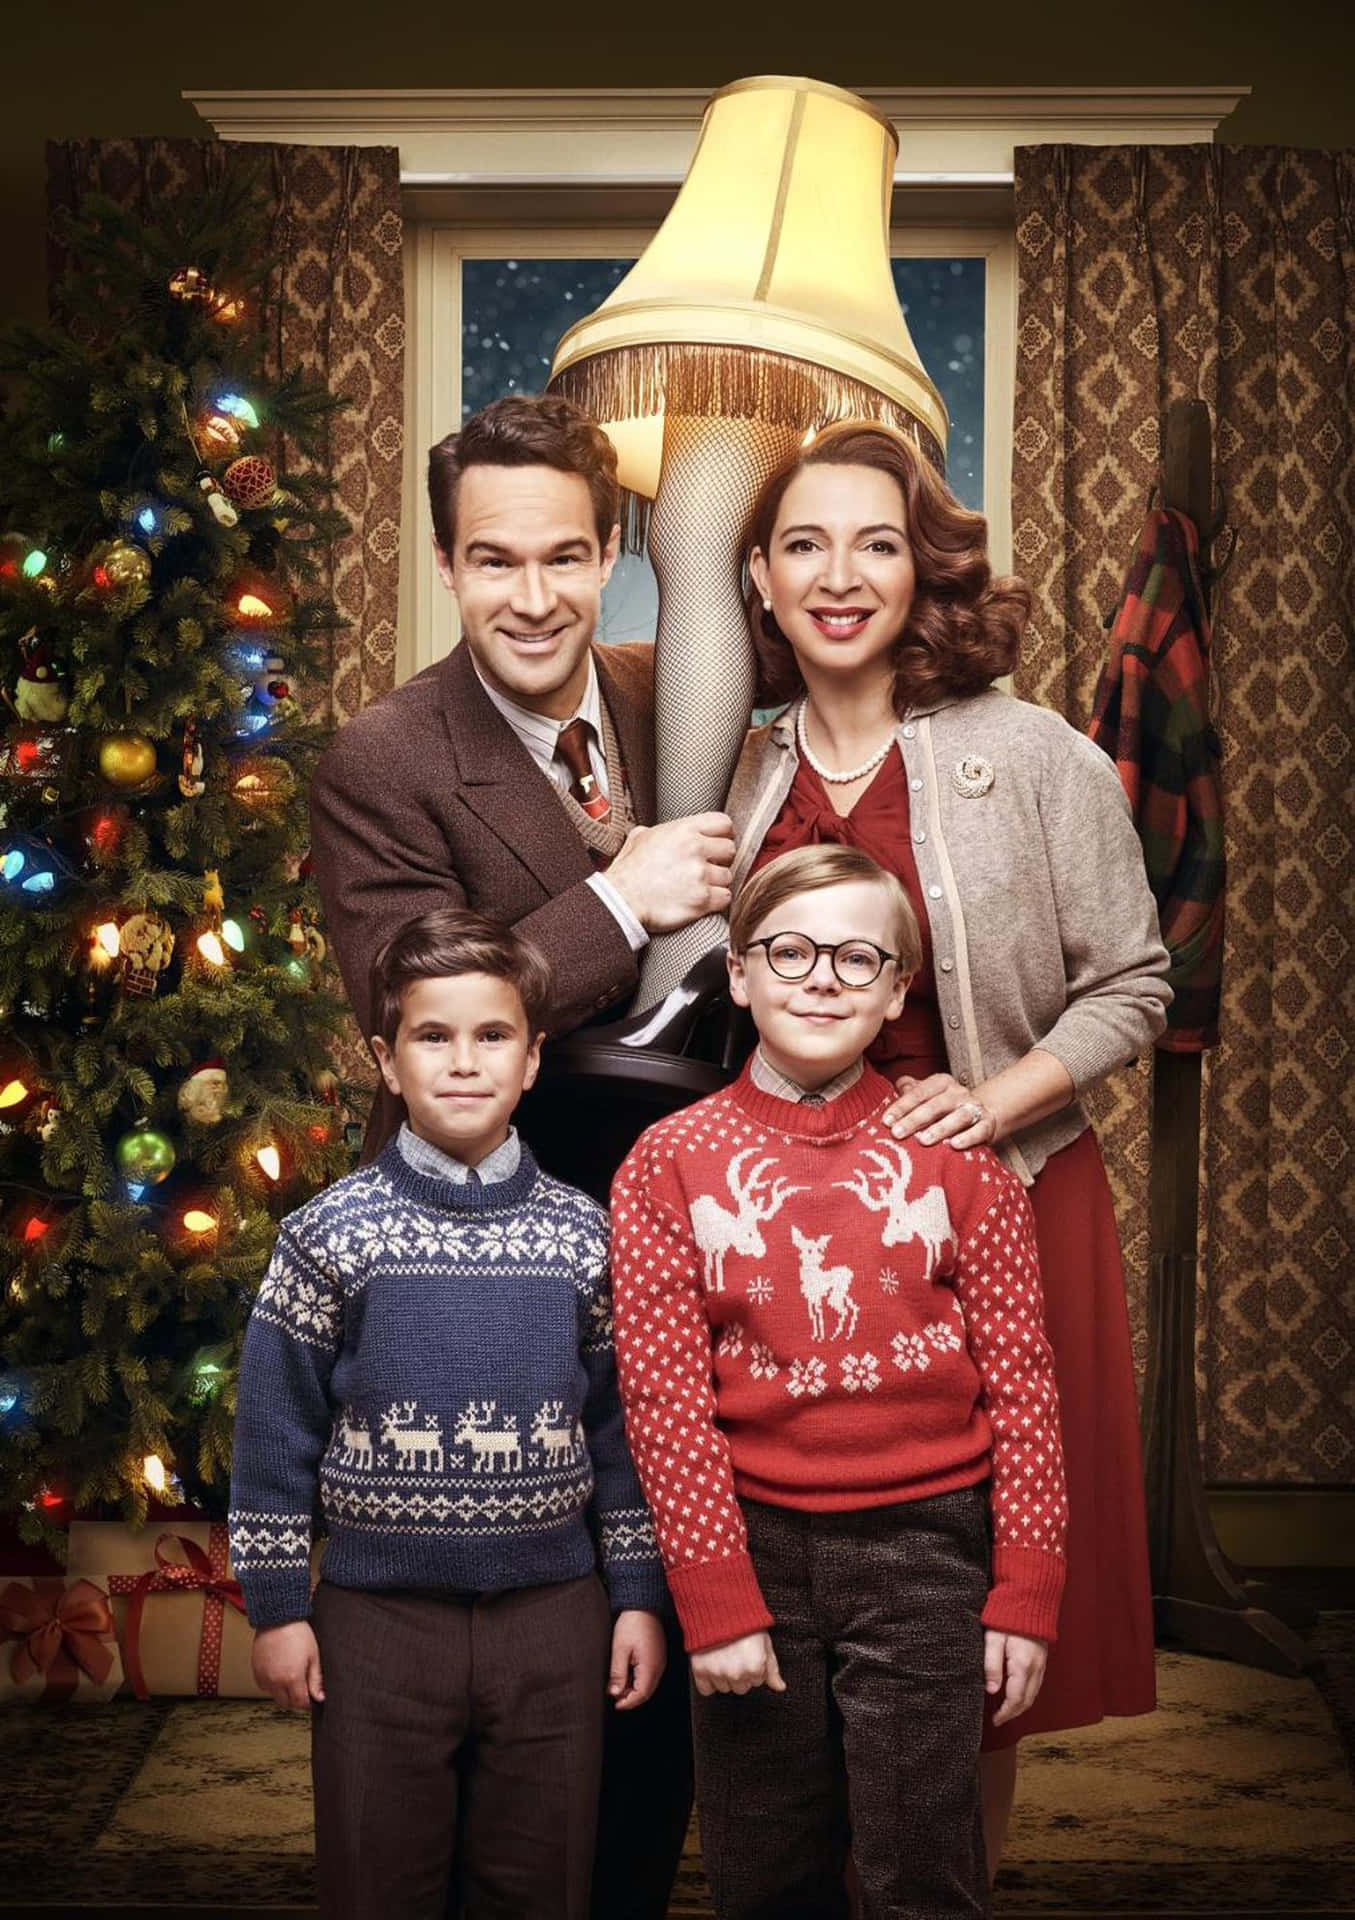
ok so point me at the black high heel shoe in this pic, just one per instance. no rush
(670, 1026)
(601, 1086)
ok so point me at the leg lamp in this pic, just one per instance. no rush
(763, 308)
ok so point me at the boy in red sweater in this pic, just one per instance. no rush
(837, 1389)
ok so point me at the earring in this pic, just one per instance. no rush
(766, 606)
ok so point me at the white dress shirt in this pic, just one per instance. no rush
(539, 734)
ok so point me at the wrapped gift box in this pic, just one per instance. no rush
(177, 1607)
(57, 1639)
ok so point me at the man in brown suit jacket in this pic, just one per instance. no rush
(516, 777)
(448, 792)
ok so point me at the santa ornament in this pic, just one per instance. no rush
(147, 946)
(203, 1095)
(41, 693)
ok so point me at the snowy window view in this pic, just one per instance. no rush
(514, 312)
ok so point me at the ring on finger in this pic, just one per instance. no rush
(975, 1111)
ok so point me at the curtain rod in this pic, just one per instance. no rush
(412, 179)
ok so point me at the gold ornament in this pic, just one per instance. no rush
(126, 760)
(120, 564)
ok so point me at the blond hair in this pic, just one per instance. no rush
(809, 870)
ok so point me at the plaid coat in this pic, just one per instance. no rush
(1152, 717)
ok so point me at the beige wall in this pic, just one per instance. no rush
(80, 67)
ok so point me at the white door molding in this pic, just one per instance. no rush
(631, 135)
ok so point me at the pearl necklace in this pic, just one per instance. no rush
(827, 773)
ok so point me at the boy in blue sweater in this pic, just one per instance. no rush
(429, 1364)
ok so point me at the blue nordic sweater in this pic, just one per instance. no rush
(431, 1366)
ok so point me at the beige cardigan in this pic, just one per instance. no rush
(1044, 931)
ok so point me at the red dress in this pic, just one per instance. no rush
(1102, 1662)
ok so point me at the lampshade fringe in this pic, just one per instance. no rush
(722, 382)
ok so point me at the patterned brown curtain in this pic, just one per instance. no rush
(1226, 274)
(337, 236)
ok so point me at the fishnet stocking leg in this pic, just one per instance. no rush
(704, 670)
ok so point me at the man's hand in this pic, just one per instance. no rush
(287, 1664)
(671, 875)
(639, 1656)
(738, 1666)
(1020, 1663)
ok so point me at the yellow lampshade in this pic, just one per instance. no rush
(767, 292)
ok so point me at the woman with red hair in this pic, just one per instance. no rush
(879, 621)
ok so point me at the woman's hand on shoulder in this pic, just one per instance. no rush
(939, 1109)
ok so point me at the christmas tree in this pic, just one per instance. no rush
(165, 1012)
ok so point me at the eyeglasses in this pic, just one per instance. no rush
(794, 956)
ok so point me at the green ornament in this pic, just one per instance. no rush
(145, 1156)
(297, 967)
(208, 1374)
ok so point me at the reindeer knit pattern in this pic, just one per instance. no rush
(435, 1360)
(815, 1315)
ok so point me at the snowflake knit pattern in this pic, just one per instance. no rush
(814, 1314)
(435, 1362)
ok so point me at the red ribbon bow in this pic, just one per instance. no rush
(198, 1572)
(62, 1631)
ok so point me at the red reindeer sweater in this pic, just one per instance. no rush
(811, 1313)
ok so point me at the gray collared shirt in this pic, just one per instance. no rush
(425, 1158)
(768, 1079)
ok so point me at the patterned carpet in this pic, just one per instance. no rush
(1236, 1795)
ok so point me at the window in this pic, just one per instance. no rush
(493, 304)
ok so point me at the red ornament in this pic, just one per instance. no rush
(250, 481)
(36, 1227)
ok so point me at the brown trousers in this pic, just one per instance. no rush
(875, 1742)
(457, 1751)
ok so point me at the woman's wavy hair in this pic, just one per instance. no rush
(964, 627)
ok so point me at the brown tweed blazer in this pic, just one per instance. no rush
(428, 798)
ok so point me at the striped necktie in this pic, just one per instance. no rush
(572, 747)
